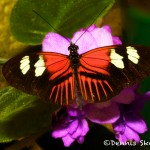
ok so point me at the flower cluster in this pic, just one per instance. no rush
(122, 111)
(70, 124)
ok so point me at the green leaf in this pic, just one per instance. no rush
(66, 17)
(2, 61)
(145, 85)
(22, 115)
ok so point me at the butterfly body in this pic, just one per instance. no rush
(75, 61)
(95, 75)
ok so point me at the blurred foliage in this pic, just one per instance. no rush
(22, 115)
(9, 46)
(65, 17)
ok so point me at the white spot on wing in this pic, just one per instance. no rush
(24, 64)
(116, 59)
(39, 66)
(133, 54)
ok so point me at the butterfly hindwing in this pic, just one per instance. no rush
(47, 75)
(93, 72)
(105, 71)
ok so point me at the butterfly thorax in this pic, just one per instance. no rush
(74, 56)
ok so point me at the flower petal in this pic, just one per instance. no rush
(119, 126)
(125, 130)
(73, 126)
(85, 127)
(102, 36)
(85, 43)
(121, 138)
(81, 130)
(72, 111)
(59, 133)
(107, 112)
(78, 132)
(90, 28)
(131, 134)
(80, 139)
(126, 96)
(68, 140)
(116, 40)
(54, 42)
(107, 28)
(137, 124)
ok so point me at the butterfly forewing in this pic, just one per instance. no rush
(47, 75)
(105, 71)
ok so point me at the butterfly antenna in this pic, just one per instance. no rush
(49, 24)
(45, 20)
(91, 23)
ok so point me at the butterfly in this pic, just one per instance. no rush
(96, 75)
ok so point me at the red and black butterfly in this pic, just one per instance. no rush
(95, 76)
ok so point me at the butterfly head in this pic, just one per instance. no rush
(73, 48)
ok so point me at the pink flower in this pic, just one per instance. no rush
(70, 124)
(94, 37)
(122, 111)
(130, 123)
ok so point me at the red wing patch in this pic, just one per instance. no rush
(96, 60)
(56, 64)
